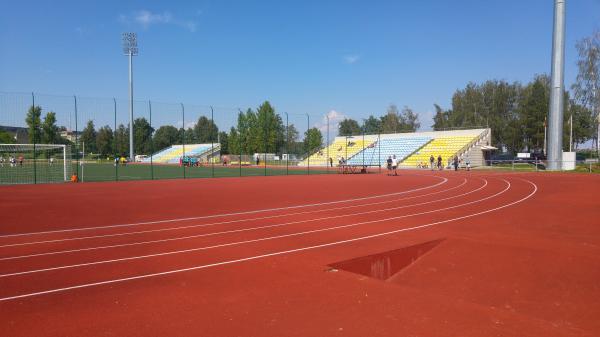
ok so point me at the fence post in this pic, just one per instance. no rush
(363, 148)
(240, 145)
(115, 145)
(76, 138)
(327, 161)
(379, 150)
(309, 149)
(151, 142)
(287, 144)
(183, 138)
(266, 146)
(35, 131)
(212, 145)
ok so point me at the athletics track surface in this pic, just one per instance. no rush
(509, 255)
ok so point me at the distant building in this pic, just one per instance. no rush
(19, 134)
(68, 135)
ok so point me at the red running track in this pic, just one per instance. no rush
(518, 256)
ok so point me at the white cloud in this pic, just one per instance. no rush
(335, 117)
(351, 59)
(146, 19)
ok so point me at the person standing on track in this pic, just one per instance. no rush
(439, 162)
(394, 164)
(431, 162)
(389, 165)
(455, 162)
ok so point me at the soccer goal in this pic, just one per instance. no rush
(34, 163)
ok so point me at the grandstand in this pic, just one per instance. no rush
(401, 147)
(172, 154)
(342, 147)
(449, 144)
(410, 149)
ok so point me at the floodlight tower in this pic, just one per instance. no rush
(555, 120)
(130, 49)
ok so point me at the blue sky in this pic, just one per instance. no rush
(351, 57)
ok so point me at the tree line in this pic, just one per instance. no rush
(393, 121)
(257, 131)
(515, 112)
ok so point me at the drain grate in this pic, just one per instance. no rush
(384, 265)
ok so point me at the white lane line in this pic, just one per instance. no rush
(444, 180)
(247, 241)
(256, 257)
(243, 229)
(226, 222)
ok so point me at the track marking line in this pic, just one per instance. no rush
(444, 180)
(256, 257)
(225, 222)
(243, 229)
(247, 241)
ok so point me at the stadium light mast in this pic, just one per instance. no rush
(555, 120)
(130, 49)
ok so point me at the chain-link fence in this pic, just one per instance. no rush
(170, 140)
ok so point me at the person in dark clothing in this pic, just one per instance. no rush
(439, 162)
(455, 162)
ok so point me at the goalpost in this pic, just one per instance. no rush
(34, 163)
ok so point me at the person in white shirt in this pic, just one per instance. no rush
(394, 164)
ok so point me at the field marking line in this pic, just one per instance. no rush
(225, 222)
(243, 229)
(256, 257)
(444, 180)
(247, 241)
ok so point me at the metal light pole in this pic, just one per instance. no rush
(555, 121)
(130, 49)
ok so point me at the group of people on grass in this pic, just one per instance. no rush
(12, 161)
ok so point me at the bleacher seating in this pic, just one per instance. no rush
(378, 154)
(447, 147)
(172, 154)
(338, 149)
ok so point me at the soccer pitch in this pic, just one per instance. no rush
(88, 172)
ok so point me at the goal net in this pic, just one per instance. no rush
(30, 164)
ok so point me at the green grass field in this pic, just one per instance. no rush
(88, 172)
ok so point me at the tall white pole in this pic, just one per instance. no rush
(131, 156)
(571, 133)
(545, 138)
(555, 120)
